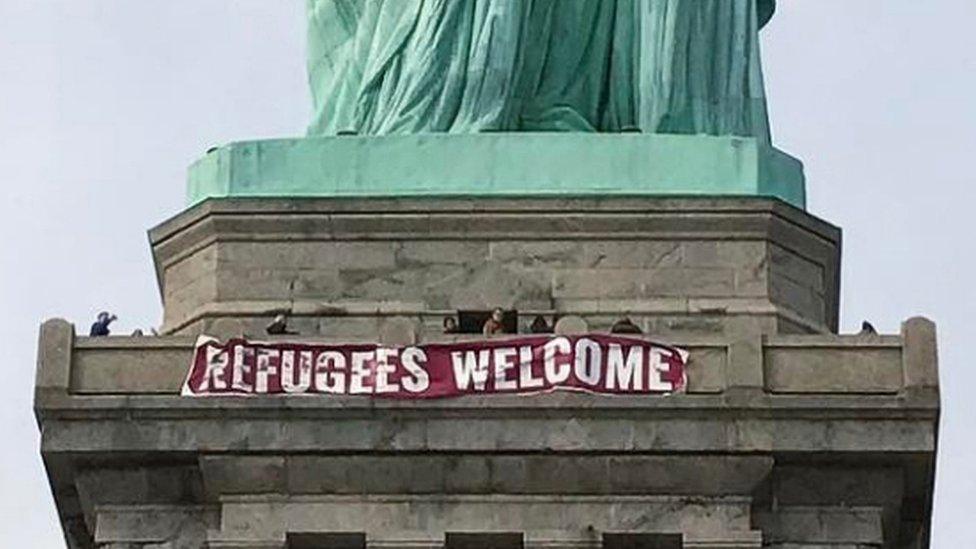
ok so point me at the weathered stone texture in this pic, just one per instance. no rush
(774, 440)
(788, 436)
(767, 267)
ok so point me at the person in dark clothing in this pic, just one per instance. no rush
(279, 326)
(625, 326)
(540, 326)
(100, 326)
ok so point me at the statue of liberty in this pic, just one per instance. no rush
(465, 66)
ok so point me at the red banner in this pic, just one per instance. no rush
(592, 363)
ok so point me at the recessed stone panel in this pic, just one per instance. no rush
(533, 255)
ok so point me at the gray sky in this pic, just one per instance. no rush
(103, 104)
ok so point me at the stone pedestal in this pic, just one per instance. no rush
(348, 267)
(788, 435)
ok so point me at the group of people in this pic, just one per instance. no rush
(495, 325)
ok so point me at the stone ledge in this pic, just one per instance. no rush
(732, 406)
(336, 218)
(822, 365)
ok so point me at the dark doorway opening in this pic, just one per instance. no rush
(642, 541)
(327, 541)
(484, 541)
(473, 322)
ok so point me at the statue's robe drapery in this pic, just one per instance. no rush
(463, 66)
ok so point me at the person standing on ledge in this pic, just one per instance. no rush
(463, 66)
(495, 324)
(100, 328)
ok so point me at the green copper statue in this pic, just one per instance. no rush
(515, 98)
(466, 66)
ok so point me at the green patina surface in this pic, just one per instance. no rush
(499, 164)
(381, 67)
(523, 98)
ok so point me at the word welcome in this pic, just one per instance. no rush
(593, 363)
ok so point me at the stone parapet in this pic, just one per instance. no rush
(815, 365)
(801, 441)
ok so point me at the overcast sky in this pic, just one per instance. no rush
(104, 103)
